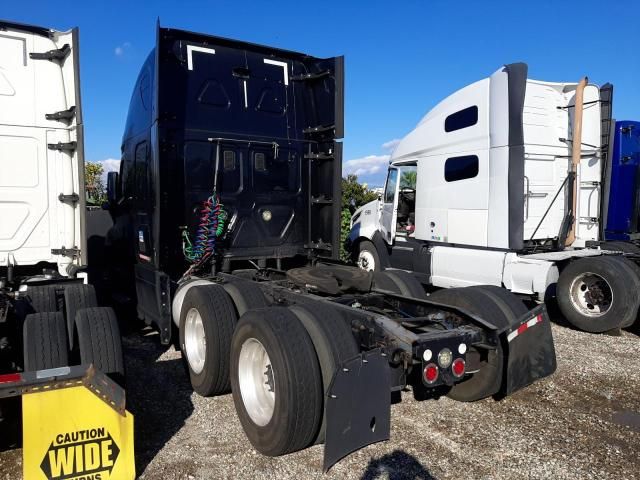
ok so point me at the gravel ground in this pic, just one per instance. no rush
(583, 422)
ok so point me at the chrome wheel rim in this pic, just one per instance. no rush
(591, 295)
(257, 382)
(195, 341)
(366, 261)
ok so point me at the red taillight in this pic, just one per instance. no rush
(10, 377)
(457, 367)
(430, 373)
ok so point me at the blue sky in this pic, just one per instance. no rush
(402, 57)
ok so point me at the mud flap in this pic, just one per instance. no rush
(358, 406)
(529, 348)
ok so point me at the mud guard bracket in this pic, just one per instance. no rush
(358, 406)
(529, 348)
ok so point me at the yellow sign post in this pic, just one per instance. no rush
(77, 430)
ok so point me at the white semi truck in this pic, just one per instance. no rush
(501, 184)
(49, 316)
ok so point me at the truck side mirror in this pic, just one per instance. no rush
(112, 188)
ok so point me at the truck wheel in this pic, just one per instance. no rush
(43, 298)
(207, 321)
(332, 339)
(246, 295)
(45, 341)
(624, 247)
(597, 294)
(488, 379)
(77, 296)
(99, 341)
(368, 258)
(635, 268)
(400, 282)
(276, 381)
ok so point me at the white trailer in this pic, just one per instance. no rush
(49, 316)
(500, 184)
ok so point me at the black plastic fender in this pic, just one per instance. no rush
(358, 406)
(529, 350)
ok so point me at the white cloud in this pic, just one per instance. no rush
(369, 165)
(391, 145)
(120, 50)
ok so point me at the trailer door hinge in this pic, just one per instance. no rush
(66, 252)
(63, 147)
(66, 115)
(58, 54)
(73, 198)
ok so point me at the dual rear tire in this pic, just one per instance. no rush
(277, 361)
(79, 332)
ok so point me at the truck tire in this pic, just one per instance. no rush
(276, 381)
(618, 246)
(207, 321)
(99, 341)
(628, 263)
(400, 282)
(45, 341)
(367, 257)
(598, 294)
(487, 381)
(77, 296)
(246, 295)
(43, 298)
(332, 339)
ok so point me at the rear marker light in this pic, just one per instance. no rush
(427, 354)
(10, 377)
(430, 373)
(444, 358)
(462, 348)
(458, 367)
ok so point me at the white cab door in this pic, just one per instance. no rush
(388, 209)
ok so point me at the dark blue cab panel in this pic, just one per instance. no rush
(624, 197)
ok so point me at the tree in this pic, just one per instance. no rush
(354, 191)
(354, 195)
(93, 183)
(408, 179)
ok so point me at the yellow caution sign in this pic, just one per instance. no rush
(76, 433)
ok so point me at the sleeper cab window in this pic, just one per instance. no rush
(460, 168)
(461, 119)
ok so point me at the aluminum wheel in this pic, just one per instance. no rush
(366, 261)
(195, 341)
(257, 381)
(591, 294)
